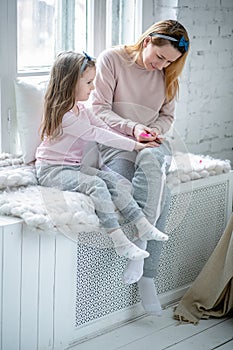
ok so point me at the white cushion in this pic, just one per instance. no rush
(29, 110)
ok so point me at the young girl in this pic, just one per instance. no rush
(136, 86)
(65, 131)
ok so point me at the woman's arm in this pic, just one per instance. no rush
(165, 119)
(103, 96)
(149, 109)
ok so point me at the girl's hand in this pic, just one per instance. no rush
(139, 146)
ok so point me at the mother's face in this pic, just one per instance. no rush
(157, 57)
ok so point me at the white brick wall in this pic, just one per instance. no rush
(204, 113)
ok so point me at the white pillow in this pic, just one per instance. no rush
(29, 110)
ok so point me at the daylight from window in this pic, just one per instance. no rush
(47, 27)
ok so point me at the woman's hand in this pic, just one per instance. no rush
(144, 134)
(150, 137)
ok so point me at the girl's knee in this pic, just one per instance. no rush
(91, 182)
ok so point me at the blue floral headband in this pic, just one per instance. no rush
(181, 42)
(86, 59)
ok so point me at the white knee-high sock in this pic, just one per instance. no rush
(147, 231)
(134, 269)
(124, 247)
(149, 297)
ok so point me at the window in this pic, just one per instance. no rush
(46, 27)
(33, 32)
(123, 21)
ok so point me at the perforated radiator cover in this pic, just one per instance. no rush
(195, 223)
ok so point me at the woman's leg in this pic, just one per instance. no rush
(150, 192)
(149, 180)
(152, 195)
(156, 192)
(147, 171)
(155, 247)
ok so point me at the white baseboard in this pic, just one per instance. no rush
(122, 317)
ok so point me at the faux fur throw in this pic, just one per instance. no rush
(187, 167)
(71, 212)
(50, 209)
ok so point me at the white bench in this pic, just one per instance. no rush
(54, 293)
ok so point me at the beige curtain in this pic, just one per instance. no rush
(211, 294)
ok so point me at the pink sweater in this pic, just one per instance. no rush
(78, 130)
(127, 94)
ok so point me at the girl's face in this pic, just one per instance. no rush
(157, 57)
(85, 84)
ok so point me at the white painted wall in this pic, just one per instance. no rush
(204, 113)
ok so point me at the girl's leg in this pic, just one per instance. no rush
(124, 163)
(93, 185)
(68, 178)
(134, 269)
(123, 200)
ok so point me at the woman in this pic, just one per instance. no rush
(136, 86)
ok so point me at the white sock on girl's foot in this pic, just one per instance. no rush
(147, 231)
(125, 247)
(134, 269)
(149, 297)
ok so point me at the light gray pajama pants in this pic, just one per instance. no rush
(106, 189)
(147, 171)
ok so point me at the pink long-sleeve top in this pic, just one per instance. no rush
(77, 131)
(127, 94)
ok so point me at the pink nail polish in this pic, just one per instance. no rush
(143, 134)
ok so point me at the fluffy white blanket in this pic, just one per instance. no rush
(72, 213)
(50, 209)
(187, 167)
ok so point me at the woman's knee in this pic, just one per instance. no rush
(147, 156)
(156, 156)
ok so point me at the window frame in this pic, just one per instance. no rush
(98, 41)
(8, 72)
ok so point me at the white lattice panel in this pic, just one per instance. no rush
(197, 217)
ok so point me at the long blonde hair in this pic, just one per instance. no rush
(60, 94)
(172, 29)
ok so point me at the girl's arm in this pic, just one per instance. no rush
(87, 128)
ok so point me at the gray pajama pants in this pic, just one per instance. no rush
(147, 171)
(106, 189)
